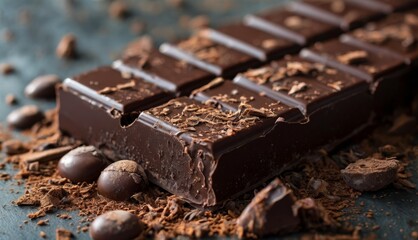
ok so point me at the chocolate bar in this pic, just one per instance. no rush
(206, 147)
(345, 14)
(288, 24)
(174, 76)
(210, 56)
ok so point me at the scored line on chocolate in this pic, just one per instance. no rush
(279, 31)
(88, 92)
(181, 55)
(149, 77)
(234, 43)
(278, 96)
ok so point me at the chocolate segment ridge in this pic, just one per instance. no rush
(209, 56)
(251, 41)
(286, 23)
(397, 33)
(116, 90)
(341, 13)
(166, 72)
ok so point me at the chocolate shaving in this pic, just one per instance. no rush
(298, 88)
(214, 83)
(354, 57)
(294, 22)
(118, 87)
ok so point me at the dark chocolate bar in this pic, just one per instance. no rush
(210, 56)
(168, 73)
(347, 15)
(252, 41)
(288, 24)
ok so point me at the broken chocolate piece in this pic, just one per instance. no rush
(370, 174)
(270, 211)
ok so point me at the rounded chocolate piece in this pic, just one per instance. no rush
(83, 164)
(24, 117)
(121, 225)
(42, 87)
(122, 179)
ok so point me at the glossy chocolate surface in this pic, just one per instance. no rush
(288, 24)
(398, 33)
(345, 56)
(341, 13)
(166, 72)
(110, 88)
(252, 41)
(210, 56)
(299, 83)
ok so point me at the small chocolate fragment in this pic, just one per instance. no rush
(118, 10)
(24, 117)
(42, 87)
(11, 99)
(270, 211)
(117, 224)
(370, 174)
(13, 147)
(139, 47)
(122, 179)
(63, 234)
(66, 47)
(83, 164)
(312, 214)
(6, 68)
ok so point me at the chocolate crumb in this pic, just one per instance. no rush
(199, 22)
(6, 68)
(13, 147)
(43, 222)
(414, 235)
(137, 27)
(10, 99)
(118, 10)
(63, 234)
(42, 234)
(139, 47)
(118, 87)
(67, 47)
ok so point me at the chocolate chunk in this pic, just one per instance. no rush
(6, 68)
(270, 211)
(63, 234)
(122, 179)
(13, 147)
(83, 164)
(139, 47)
(25, 117)
(42, 87)
(121, 225)
(67, 47)
(118, 9)
(11, 99)
(370, 174)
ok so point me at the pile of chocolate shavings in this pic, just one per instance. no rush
(167, 216)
